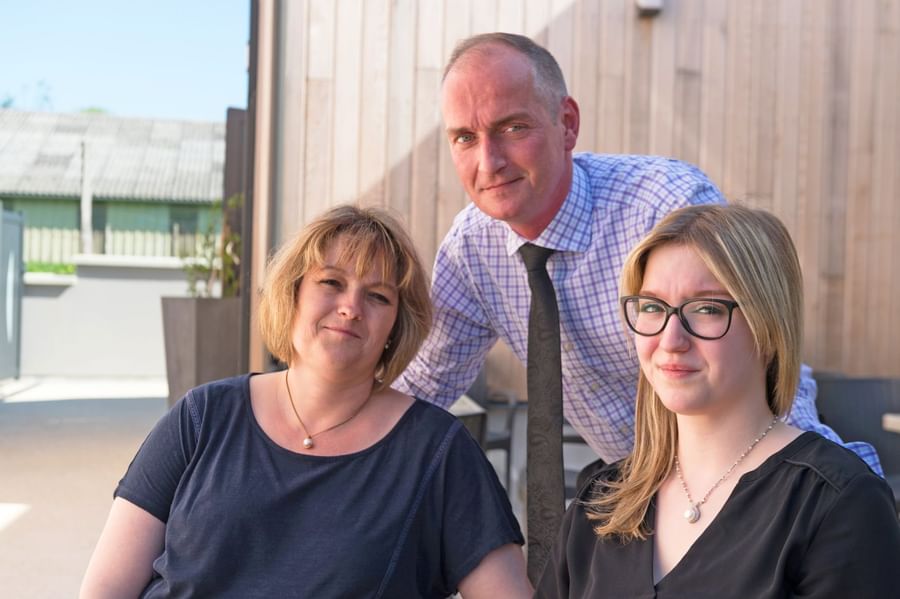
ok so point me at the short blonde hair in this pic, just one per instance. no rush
(751, 254)
(372, 239)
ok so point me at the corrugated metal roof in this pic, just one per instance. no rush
(129, 158)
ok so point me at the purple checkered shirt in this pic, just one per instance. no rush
(480, 292)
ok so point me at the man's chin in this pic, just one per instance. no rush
(505, 209)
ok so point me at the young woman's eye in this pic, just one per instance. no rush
(382, 299)
(651, 307)
(330, 282)
(708, 308)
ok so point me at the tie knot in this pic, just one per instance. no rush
(534, 256)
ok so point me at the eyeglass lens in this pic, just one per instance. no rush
(703, 317)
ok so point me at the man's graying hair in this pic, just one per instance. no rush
(548, 78)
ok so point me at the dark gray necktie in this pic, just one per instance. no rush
(544, 470)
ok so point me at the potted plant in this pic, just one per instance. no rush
(201, 331)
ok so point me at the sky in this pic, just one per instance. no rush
(172, 59)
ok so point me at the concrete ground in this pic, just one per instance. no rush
(64, 444)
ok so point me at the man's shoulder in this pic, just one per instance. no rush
(656, 183)
(636, 164)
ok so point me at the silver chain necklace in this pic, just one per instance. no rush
(692, 514)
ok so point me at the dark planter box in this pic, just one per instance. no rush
(201, 339)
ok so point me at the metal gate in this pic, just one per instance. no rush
(11, 287)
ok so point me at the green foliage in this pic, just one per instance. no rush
(231, 251)
(51, 267)
(217, 258)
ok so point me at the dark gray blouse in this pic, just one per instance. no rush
(811, 521)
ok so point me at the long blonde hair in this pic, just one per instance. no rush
(751, 254)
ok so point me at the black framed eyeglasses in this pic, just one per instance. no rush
(706, 318)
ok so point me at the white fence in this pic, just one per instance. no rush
(58, 246)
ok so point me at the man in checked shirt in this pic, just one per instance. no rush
(511, 126)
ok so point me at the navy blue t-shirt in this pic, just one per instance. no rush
(408, 517)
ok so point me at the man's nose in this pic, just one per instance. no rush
(492, 156)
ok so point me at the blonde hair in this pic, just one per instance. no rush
(372, 238)
(751, 254)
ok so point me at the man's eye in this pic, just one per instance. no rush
(464, 138)
(515, 128)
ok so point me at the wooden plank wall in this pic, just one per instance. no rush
(789, 105)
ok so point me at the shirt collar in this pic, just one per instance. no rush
(570, 229)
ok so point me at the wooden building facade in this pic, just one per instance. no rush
(788, 105)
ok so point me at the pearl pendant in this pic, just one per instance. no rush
(308, 443)
(692, 514)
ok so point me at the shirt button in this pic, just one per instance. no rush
(595, 386)
(567, 346)
(625, 429)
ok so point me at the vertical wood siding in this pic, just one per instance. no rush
(788, 105)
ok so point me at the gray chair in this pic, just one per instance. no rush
(853, 407)
(570, 475)
(507, 404)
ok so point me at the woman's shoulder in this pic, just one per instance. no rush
(829, 463)
(432, 411)
(224, 386)
(427, 424)
(595, 480)
(225, 393)
(234, 387)
(431, 417)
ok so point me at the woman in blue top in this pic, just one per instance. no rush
(720, 498)
(319, 480)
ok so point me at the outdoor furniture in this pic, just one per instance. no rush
(891, 422)
(502, 438)
(570, 475)
(497, 438)
(864, 409)
(472, 415)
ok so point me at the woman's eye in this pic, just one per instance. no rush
(652, 307)
(330, 282)
(382, 299)
(710, 309)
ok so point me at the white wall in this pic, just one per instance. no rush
(105, 321)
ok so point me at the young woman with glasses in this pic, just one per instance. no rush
(721, 498)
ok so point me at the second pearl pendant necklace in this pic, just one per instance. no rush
(692, 514)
